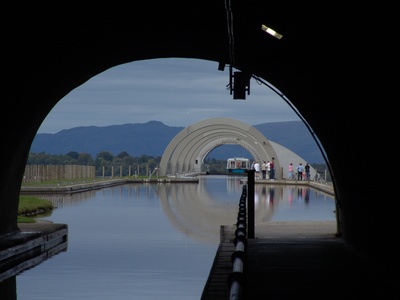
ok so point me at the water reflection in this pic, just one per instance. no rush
(292, 203)
(154, 241)
(199, 209)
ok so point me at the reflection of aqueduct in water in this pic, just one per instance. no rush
(188, 149)
(190, 207)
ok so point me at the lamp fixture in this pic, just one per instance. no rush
(271, 32)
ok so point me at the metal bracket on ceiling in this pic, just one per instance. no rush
(239, 84)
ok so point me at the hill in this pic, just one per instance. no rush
(152, 138)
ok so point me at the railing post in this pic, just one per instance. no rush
(250, 204)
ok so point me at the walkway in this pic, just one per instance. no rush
(35, 243)
(299, 260)
(97, 184)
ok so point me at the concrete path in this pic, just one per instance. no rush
(296, 260)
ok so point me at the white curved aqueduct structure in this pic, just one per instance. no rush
(188, 149)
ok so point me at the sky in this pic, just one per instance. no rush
(175, 91)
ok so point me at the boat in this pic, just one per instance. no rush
(237, 165)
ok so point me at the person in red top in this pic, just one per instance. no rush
(272, 170)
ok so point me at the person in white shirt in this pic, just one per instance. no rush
(264, 170)
(268, 169)
(300, 170)
(257, 169)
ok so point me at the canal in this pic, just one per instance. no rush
(154, 241)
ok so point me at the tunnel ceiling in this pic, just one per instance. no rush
(100, 36)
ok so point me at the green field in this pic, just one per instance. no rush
(31, 207)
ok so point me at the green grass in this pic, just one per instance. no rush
(31, 204)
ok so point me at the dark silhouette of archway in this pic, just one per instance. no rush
(319, 64)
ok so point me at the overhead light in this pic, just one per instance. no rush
(271, 32)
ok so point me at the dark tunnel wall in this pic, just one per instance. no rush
(317, 65)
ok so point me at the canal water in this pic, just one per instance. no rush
(153, 241)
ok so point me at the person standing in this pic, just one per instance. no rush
(272, 170)
(268, 170)
(307, 170)
(257, 169)
(300, 170)
(264, 170)
(290, 171)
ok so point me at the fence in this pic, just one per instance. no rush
(45, 173)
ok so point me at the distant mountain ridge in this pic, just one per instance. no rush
(153, 137)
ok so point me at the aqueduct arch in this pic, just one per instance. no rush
(187, 150)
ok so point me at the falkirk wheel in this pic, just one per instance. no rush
(186, 152)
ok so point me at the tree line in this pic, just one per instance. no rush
(124, 164)
(105, 161)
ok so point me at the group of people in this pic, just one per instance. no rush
(265, 170)
(303, 172)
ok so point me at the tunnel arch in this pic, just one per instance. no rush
(187, 150)
(317, 65)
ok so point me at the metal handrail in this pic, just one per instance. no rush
(238, 257)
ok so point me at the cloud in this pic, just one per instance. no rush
(175, 91)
